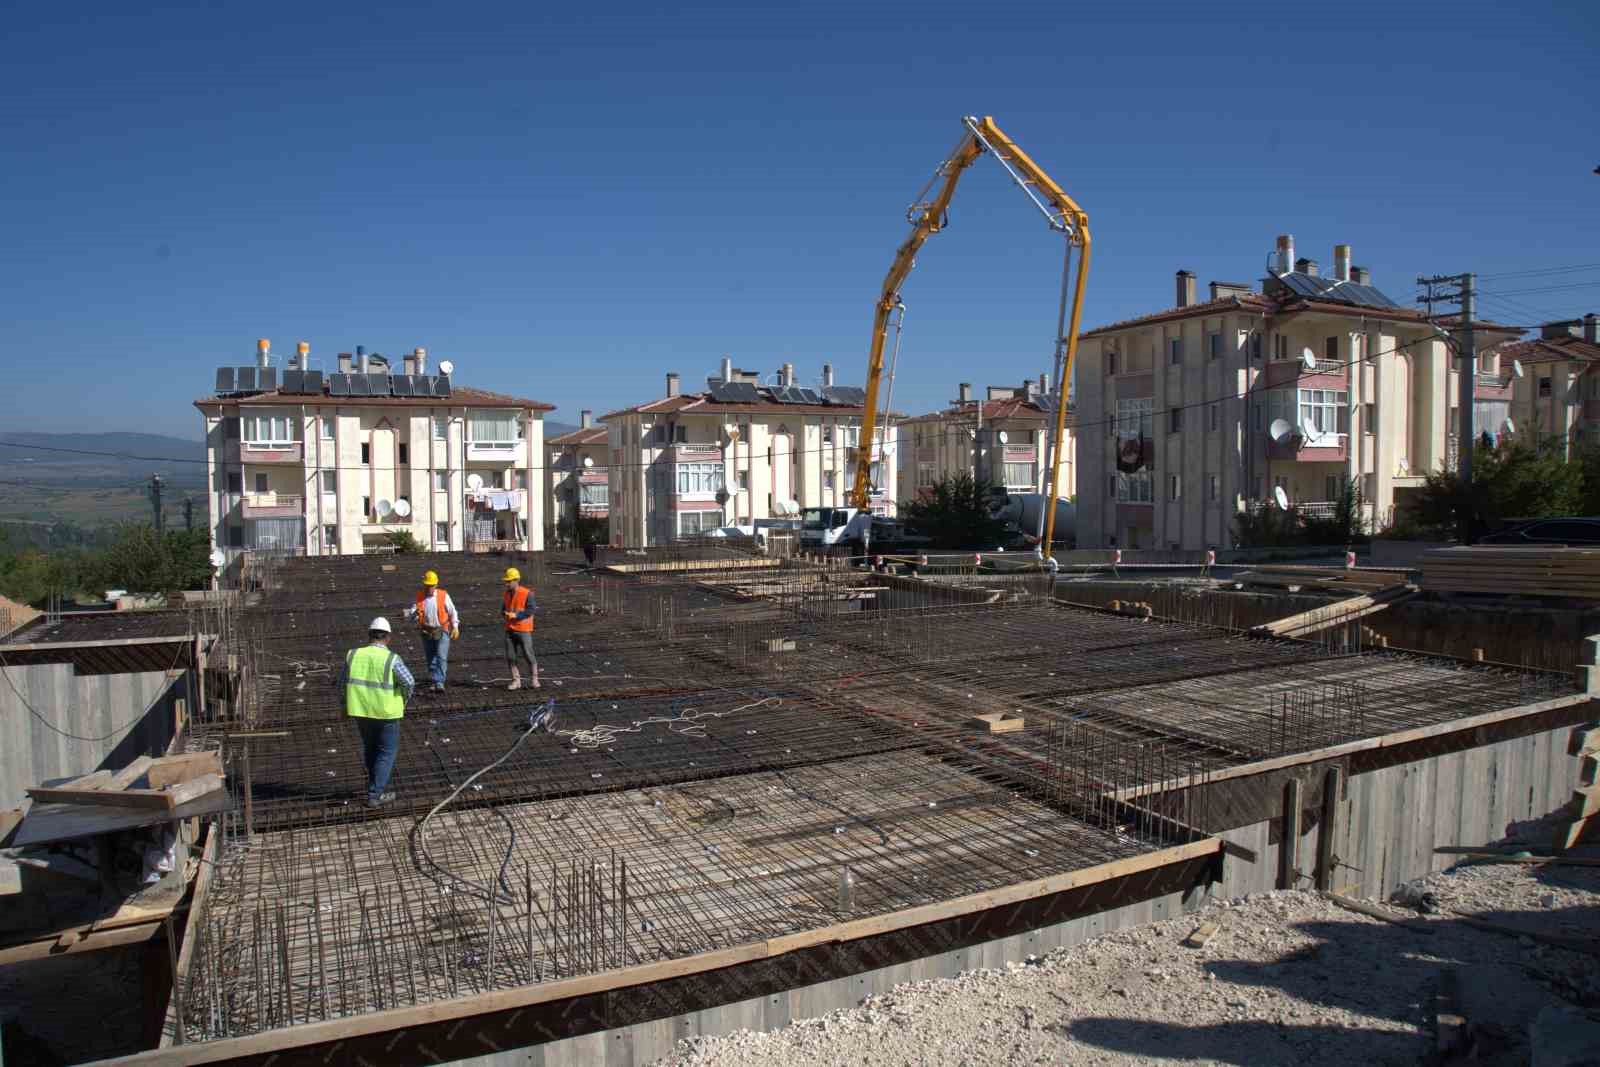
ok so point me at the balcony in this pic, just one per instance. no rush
(271, 506)
(507, 452)
(487, 499)
(253, 452)
(1325, 448)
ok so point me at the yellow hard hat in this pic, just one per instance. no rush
(511, 575)
(430, 578)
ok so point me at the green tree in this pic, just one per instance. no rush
(1517, 480)
(403, 541)
(954, 513)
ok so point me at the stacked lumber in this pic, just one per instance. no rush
(1327, 579)
(1583, 822)
(1550, 571)
(1305, 623)
(160, 784)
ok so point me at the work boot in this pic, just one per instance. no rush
(534, 682)
(438, 687)
(380, 801)
(516, 679)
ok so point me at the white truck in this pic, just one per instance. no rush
(830, 527)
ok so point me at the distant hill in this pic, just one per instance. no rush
(556, 429)
(77, 460)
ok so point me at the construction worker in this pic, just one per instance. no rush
(376, 687)
(436, 618)
(517, 608)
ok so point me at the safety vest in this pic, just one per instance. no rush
(516, 600)
(369, 688)
(438, 613)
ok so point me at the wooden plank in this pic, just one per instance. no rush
(1202, 933)
(171, 770)
(997, 722)
(130, 774)
(1289, 840)
(96, 780)
(1361, 907)
(1584, 739)
(1327, 830)
(202, 883)
(78, 940)
(132, 798)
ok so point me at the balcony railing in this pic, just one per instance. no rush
(270, 505)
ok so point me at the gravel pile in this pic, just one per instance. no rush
(1288, 977)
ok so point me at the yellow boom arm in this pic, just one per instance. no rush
(929, 217)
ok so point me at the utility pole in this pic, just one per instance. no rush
(155, 499)
(1467, 382)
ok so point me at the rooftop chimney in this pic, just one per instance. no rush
(421, 356)
(672, 383)
(408, 365)
(788, 375)
(1185, 288)
(964, 391)
(361, 358)
(263, 353)
(1361, 275)
(727, 369)
(346, 361)
(1285, 256)
(1591, 328)
(1341, 263)
(585, 419)
(1308, 267)
(1044, 385)
(303, 350)
(1561, 328)
(827, 375)
(1219, 290)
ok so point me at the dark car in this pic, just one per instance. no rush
(1568, 531)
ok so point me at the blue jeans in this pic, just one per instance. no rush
(380, 743)
(438, 653)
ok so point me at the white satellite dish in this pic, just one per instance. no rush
(218, 560)
(1281, 497)
(446, 367)
(588, 461)
(792, 507)
(1403, 464)
(1510, 426)
(1516, 368)
(402, 508)
(384, 508)
(1308, 358)
(474, 482)
(1280, 430)
(1002, 437)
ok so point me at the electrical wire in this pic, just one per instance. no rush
(1541, 271)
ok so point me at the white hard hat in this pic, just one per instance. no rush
(379, 624)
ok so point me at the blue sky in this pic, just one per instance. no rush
(569, 203)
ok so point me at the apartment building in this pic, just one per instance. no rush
(739, 451)
(1190, 415)
(576, 480)
(1001, 440)
(307, 462)
(1557, 394)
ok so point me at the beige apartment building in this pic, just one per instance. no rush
(304, 462)
(1558, 393)
(576, 479)
(1190, 415)
(738, 452)
(1000, 440)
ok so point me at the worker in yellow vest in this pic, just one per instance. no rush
(376, 687)
(436, 618)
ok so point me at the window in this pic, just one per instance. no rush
(1213, 487)
(441, 428)
(1134, 418)
(494, 480)
(742, 479)
(680, 434)
(366, 507)
(235, 535)
(701, 478)
(827, 434)
(1175, 420)
(519, 478)
(440, 485)
(403, 455)
(330, 481)
(1137, 488)
(230, 429)
(1175, 350)
(1111, 363)
(1214, 417)
(827, 480)
(693, 522)
(236, 482)
(1255, 345)
(261, 482)
(1174, 487)
(1323, 413)
(366, 454)
(493, 429)
(1280, 346)
(327, 427)
(330, 537)
(1330, 349)
(927, 475)
(1214, 345)
(1018, 474)
(269, 430)
(441, 534)
(1331, 487)
(594, 495)
(1544, 387)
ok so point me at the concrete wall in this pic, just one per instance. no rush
(125, 715)
(1388, 826)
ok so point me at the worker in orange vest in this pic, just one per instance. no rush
(436, 618)
(517, 607)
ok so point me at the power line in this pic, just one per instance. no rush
(1538, 271)
(1546, 288)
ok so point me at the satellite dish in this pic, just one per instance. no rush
(1308, 358)
(1403, 464)
(1281, 497)
(218, 560)
(1280, 430)
(446, 368)
(384, 508)
(588, 461)
(1516, 368)
(474, 482)
(402, 508)
(1510, 426)
(1002, 437)
(793, 507)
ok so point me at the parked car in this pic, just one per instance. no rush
(1564, 531)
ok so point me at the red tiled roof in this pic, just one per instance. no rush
(702, 404)
(1014, 407)
(1550, 350)
(460, 396)
(1288, 303)
(593, 435)
(1253, 301)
